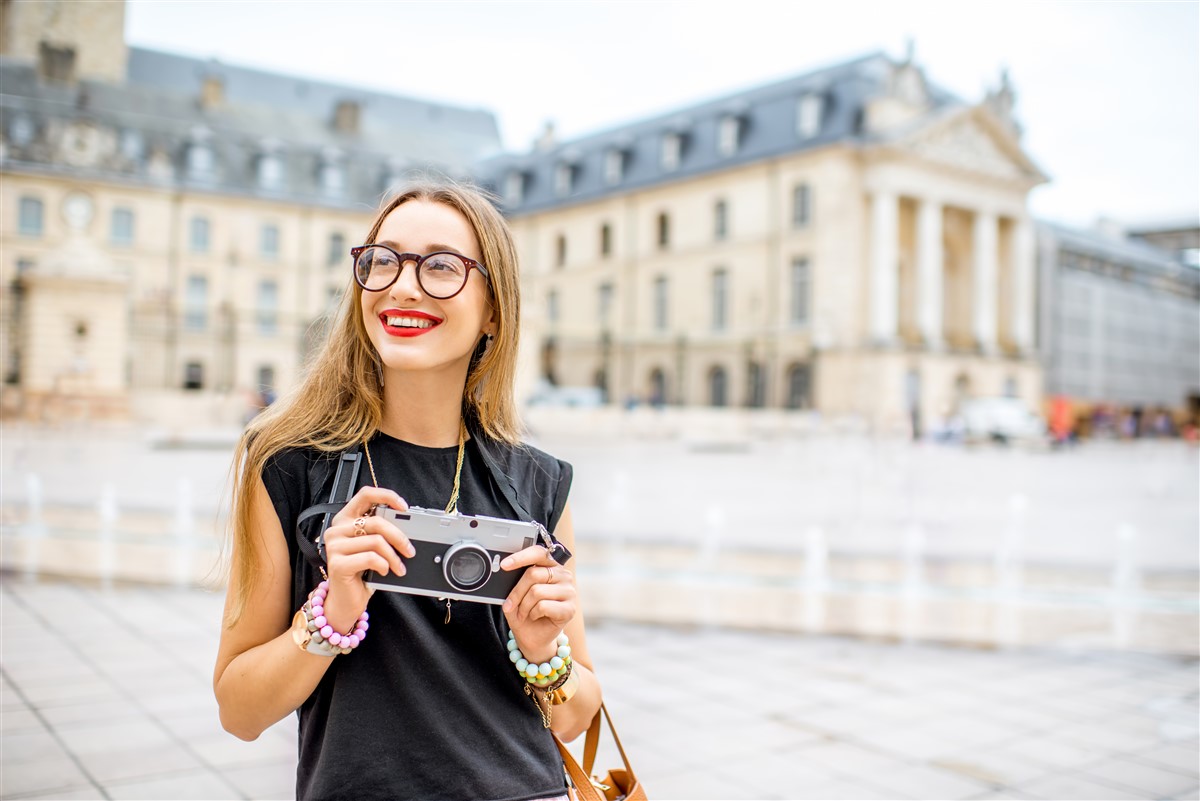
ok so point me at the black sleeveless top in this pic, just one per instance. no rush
(424, 709)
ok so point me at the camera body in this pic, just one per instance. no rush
(457, 556)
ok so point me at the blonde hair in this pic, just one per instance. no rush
(339, 400)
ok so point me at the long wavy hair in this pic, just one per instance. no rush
(339, 400)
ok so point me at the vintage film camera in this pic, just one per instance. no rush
(457, 556)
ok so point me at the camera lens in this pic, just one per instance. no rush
(467, 566)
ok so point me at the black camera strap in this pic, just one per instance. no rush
(344, 482)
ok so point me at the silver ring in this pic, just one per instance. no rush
(550, 575)
(360, 527)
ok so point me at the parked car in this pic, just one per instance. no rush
(1001, 420)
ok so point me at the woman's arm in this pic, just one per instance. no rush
(540, 609)
(261, 675)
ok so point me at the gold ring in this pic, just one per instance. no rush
(549, 575)
(360, 527)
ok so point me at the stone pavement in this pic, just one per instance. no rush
(106, 693)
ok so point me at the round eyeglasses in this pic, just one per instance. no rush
(440, 275)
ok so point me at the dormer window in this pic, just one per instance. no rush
(332, 175)
(514, 187)
(729, 131)
(614, 166)
(270, 167)
(672, 151)
(808, 115)
(200, 160)
(564, 179)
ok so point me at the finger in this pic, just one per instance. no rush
(560, 613)
(365, 500)
(374, 543)
(372, 526)
(354, 564)
(543, 592)
(533, 555)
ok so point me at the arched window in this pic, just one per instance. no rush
(799, 382)
(756, 394)
(717, 387)
(658, 387)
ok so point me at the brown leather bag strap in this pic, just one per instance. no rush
(613, 731)
(591, 743)
(581, 777)
(584, 789)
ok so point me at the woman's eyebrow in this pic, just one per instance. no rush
(432, 247)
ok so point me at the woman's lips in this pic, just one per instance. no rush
(426, 323)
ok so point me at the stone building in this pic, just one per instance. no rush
(1120, 322)
(854, 240)
(175, 228)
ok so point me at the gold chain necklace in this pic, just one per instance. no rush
(452, 506)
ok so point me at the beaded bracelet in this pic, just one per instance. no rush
(323, 633)
(544, 674)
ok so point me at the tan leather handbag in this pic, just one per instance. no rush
(619, 784)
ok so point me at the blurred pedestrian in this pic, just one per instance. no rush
(417, 375)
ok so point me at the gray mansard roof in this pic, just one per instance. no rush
(767, 117)
(142, 131)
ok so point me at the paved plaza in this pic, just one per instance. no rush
(107, 694)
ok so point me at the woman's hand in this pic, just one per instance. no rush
(357, 541)
(544, 601)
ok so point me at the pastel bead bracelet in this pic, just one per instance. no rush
(323, 632)
(545, 673)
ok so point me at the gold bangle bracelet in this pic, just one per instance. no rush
(566, 691)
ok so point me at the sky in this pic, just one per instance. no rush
(1108, 93)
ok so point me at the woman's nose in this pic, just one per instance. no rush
(407, 286)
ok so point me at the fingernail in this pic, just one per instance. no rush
(508, 606)
(506, 563)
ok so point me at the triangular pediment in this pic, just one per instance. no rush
(971, 139)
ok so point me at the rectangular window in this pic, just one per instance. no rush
(604, 298)
(560, 251)
(564, 179)
(664, 230)
(337, 249)
(198, 235)
(808, 116)
(800, 291)
(801, 202)
(660, 303)
(514, 187)
(195, 303)
(269, 242)
(720, 299)
(605, 240)
(121, 229)
(30, 219)
(552, 305)
(268, 308)
(614, 166)
(728, 130)
(672, 149)
(720, 220)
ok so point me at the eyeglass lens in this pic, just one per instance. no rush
(440, 275)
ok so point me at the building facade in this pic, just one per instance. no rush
(1120, 323)
(177, 225)
(855, 240)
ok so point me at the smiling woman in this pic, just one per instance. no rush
(417, 372)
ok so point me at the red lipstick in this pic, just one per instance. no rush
(408, 322)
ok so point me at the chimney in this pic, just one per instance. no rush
(547, 139)
(345, 117)
(56, 63)
(212, 91)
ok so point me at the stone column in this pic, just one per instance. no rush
(884, 279)
(930, 261)
(1023, 285)
(983, 281)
